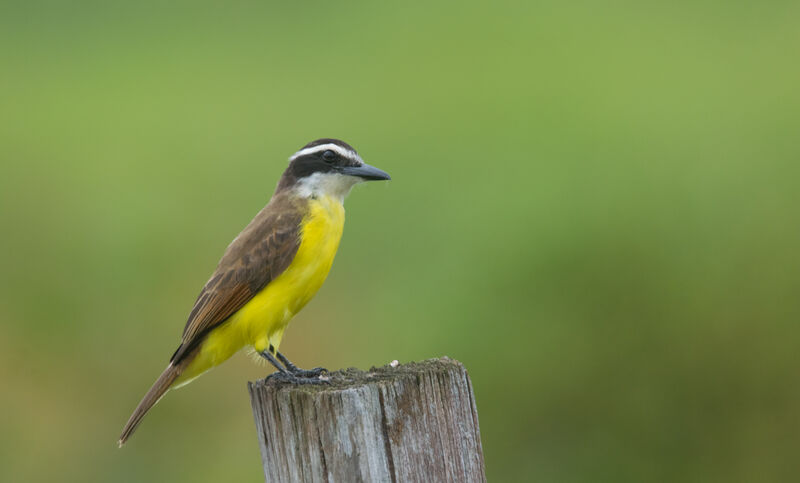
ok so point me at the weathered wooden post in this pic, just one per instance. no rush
(412, 422)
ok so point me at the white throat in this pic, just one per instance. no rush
(332, 185)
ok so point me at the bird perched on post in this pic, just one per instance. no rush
(268, 272)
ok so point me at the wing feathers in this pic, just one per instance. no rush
(263, 250)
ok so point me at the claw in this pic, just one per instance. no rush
(295, 379)
(315, 372)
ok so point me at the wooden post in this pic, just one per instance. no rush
(412, 422)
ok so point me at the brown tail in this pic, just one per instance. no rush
(161, 386)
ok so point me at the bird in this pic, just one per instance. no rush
(269, 272)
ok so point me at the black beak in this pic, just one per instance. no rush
(365, 172)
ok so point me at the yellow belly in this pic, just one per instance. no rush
(261, 322)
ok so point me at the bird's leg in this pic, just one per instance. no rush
(297, 371)
(268, 356)
(285, 374)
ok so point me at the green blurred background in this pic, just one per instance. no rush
(594, 208)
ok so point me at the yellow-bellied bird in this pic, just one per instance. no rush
(268, 272)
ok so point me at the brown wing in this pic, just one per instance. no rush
(260, 253)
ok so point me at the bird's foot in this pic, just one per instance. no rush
(288, 372)
(306, 373)
(296, 379)
(315, 372)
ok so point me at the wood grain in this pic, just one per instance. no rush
(413, 422)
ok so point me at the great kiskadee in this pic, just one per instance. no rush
(268, 272)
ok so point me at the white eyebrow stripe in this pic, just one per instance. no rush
(324, 147)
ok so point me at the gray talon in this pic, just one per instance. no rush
(295, 379)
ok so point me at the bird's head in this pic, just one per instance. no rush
(327, 167)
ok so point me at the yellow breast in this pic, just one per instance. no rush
(261, 322)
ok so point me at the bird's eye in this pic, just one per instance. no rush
(329, 156)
